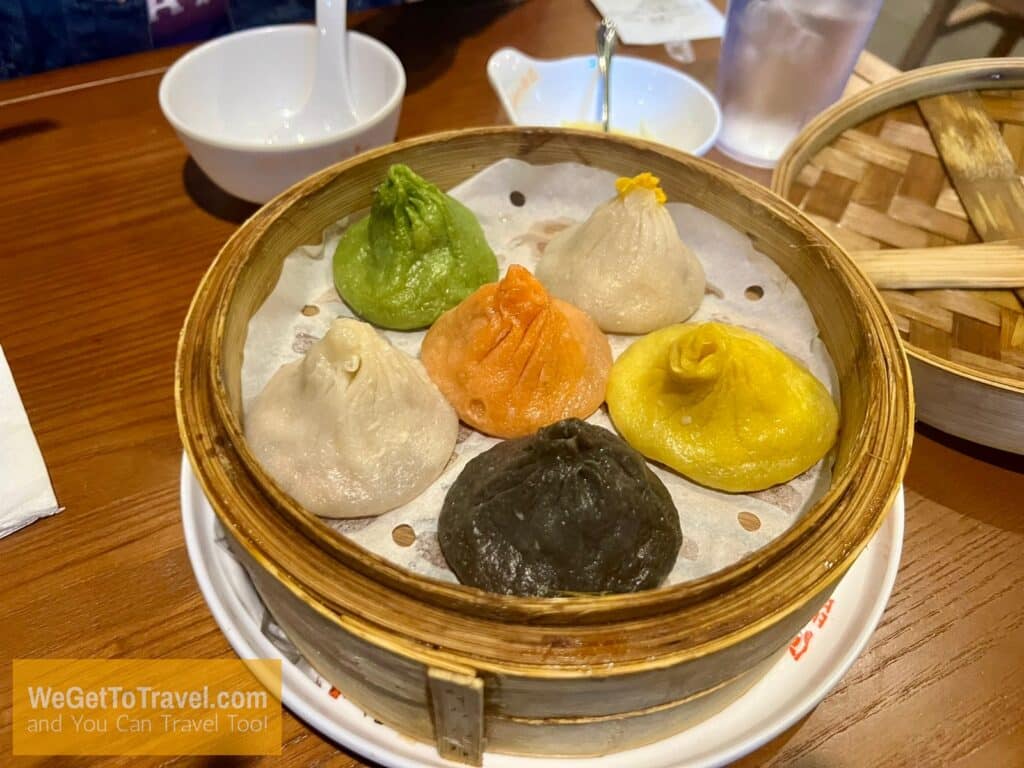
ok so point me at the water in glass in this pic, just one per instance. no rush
(784, 61)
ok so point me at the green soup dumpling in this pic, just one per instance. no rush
(419, 253)
(571, 508)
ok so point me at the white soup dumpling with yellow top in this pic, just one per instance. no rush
(626, 266)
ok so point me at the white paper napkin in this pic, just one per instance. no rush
(25, 490)
(652, 22)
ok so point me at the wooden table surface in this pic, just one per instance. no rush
(106, 227)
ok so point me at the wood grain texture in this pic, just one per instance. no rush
(106, 231)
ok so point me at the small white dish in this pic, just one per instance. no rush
(227, 98)
(649, 100)
(793, 685)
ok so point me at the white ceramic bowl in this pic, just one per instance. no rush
(649, 99)
(227, 96)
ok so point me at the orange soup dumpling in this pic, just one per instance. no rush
(512, 359)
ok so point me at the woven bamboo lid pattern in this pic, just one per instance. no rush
(929, 160)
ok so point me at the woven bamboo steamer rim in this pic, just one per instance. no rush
(450, 624)
(958, 393)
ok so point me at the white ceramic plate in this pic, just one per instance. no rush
(797, 682)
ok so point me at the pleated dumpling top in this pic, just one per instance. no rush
(512, 359)
(721, 405)
(418, 253)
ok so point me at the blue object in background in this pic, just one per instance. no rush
(36, 35)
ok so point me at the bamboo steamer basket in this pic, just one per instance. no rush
(920, 178)
(468, 670)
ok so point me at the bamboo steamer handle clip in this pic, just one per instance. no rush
(457, 705)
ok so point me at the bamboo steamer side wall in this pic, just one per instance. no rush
(389, 687)
(577, 716)
(975, 410)
(590, 737)
(592, 696)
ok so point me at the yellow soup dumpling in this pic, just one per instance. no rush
(721, 405)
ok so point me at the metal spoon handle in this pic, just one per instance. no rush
(606, 38)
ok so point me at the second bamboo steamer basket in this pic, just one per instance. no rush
(920, 165)
(468, 670)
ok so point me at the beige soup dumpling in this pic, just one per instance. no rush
(354, 428)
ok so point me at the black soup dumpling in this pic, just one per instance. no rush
(571, 508)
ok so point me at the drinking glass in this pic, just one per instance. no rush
(783, 62)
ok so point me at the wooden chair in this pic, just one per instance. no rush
(945, 18)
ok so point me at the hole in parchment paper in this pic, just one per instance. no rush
(310, 309)
(748, 520)
(517, 198)
(754, 292)
(403, 535)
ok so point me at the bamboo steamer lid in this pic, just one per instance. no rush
(920, 178)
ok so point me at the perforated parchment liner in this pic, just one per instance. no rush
(744, 287)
